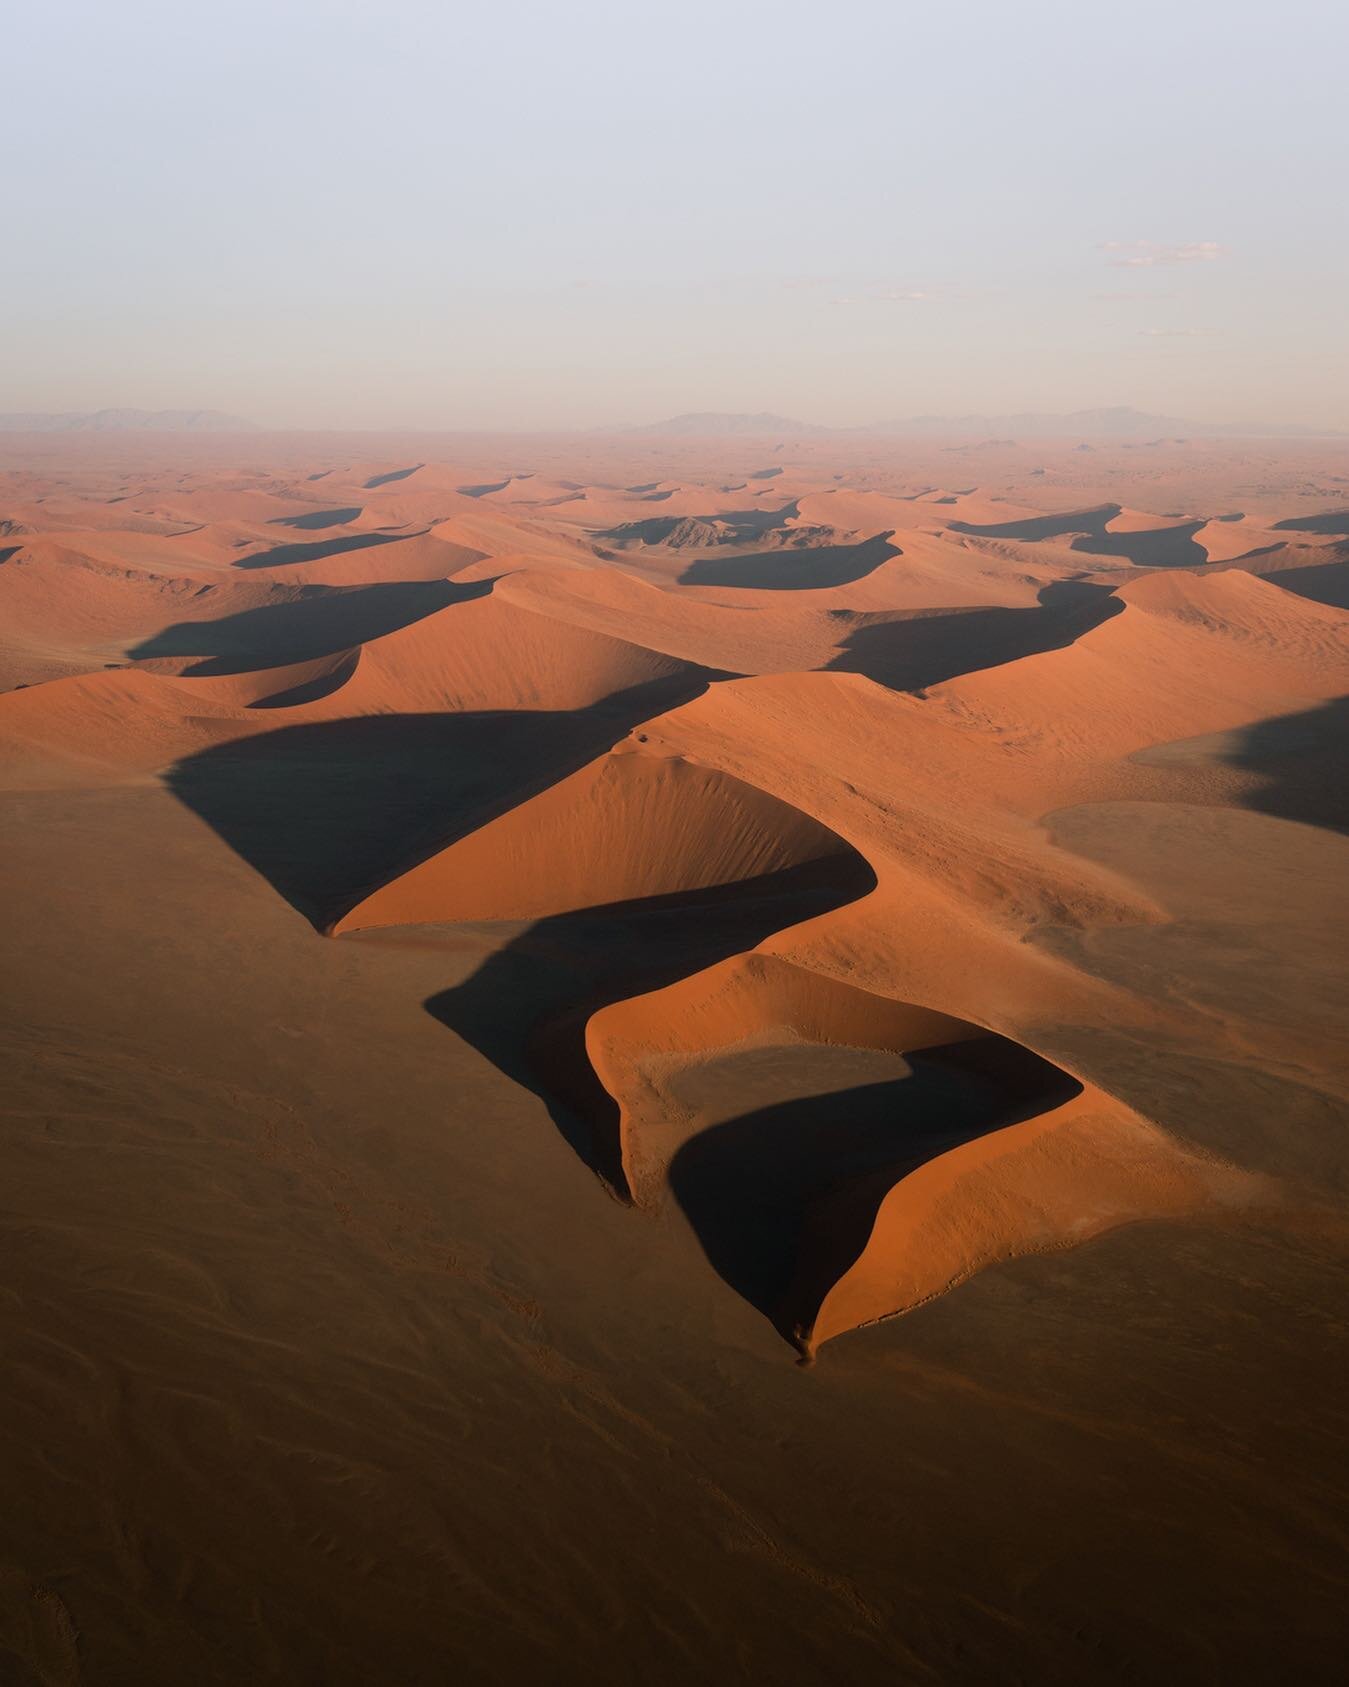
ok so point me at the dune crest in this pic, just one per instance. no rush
(742, 785)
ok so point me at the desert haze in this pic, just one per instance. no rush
(688, 1056)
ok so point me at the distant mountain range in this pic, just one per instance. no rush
(122, 421)
(1118, 422)
(714, 423)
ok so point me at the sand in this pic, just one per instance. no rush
(624, 1067)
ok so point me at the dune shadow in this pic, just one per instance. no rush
(783, 1199)
(392, 475)
(914, 653)
(748, 525)
(1150, 547)
(1303, 761)
(1331, 522)
(320, 621)
(1034, 529)
(329, 811)
(809, 569)
(1325, 582)
(318, 550)
(314, 520)
(527, 1006)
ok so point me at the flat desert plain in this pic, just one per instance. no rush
(652, 1060)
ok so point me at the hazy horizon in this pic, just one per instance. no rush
(338, 218)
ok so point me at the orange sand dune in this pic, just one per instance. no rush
(1040, 1185)
(626, 827)
(65, 611)
(907, 872)
(485, 653)
(1190, 654)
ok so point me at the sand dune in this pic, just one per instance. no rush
(904, 872)
(627, 827)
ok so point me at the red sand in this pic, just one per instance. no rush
(888, 889)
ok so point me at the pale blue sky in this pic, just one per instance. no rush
(533, 214)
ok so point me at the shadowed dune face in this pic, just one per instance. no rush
(844, 1156)
(1171, 546)
(288, 556)
(321, 621)
(1332, 522)
(391, 476)
(528, 1007)
(316, 520)
(1326, 582)
(639, 871)
(329, 812)
(1036, 529)
(811, 568)
(1301, 763)
(876, 991)
(1158, 547)
(624, 828)
(912, 654)
(784, 1196)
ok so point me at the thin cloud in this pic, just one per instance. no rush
(888, 295)
(1176, 333)
(1146, 254)
(1135, 296)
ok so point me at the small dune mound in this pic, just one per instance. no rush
(625, 828)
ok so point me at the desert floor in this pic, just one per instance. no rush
(642, 1060)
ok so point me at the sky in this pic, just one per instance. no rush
(536, 214)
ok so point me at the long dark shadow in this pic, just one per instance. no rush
(314, 520)
(392, 475)
(1331, 522)
(286, 556)
(527, 1006)
(1324, 582)
(1151, 547)
(1303, 761)
(1033, 529)
(328, 812)
(316, 621)
(791, 570)
(912, 654)
(783, 1198)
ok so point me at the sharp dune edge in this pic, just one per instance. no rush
(819, 848)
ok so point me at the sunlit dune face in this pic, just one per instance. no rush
(746, 770)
